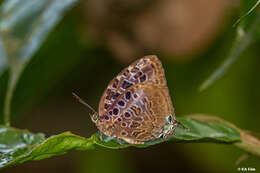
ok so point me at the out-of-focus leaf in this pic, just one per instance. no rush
(40, 148)
(24, 25)
(200, 129)
(248, 12)
(14, 143)
(246, 34)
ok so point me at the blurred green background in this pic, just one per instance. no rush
(96, 39)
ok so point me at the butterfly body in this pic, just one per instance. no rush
(136, 106)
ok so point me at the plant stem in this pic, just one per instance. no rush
(13, 77)
(241, 43)
(7, 102)
(249, 143)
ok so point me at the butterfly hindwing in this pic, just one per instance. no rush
(144, 116)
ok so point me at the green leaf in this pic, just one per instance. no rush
(15, 143)
(17, 146)
(246, 34)
(20, 146)
(248, 11)
(24, 25)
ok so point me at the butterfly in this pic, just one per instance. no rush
(136, 106)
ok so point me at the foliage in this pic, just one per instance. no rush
(247, 32)
(24, 26)
(23, 29)
(18, 146)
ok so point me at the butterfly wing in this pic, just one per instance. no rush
(144, 116)
(145, 70)
(136, 101)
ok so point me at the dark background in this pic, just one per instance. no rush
(97, 39)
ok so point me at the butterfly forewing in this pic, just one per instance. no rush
(136, 102)
(145, 70)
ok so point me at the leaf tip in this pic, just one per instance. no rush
(204, 85)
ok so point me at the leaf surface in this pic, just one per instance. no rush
(18, 146)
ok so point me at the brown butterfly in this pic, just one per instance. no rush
(136, 106)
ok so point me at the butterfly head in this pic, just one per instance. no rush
(94, 117)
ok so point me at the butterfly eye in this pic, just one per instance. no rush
(169, 119)
(95, 117)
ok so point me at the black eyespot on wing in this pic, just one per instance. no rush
(123, 124)
(106, 117)
(134, 124)
(135, 70)
(109, 94)
(115, 111)
(128, 95)
(116, 95)
(138, 74)
(121, 103)
(143, 78)
(116, 81)
(126, 73)
(106, 106)
(123, 133)
(127, 115)
(126, 85)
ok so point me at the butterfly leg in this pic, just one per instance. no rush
(119, 141)
(180, 124)
(177, 123)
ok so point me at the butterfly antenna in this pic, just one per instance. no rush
(83, 102)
